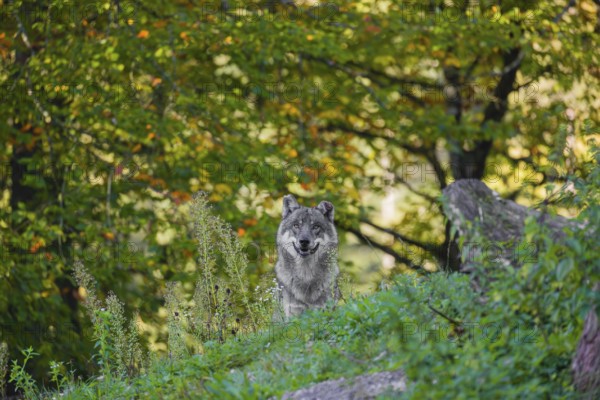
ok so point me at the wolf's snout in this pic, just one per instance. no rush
(304, 244)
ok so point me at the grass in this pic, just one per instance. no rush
(319, 345)
(418, 324)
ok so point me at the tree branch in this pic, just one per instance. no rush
(398, 257)
(401, 81)
(431, 199)
(570, 4)
(428, 153)
(408, 95)
(441, 314)
(425, 246)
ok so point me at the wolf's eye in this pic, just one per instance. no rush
(316, 227)
(296, 226)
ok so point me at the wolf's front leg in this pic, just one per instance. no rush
(291, 306)
(294, 309)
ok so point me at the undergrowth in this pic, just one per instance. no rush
(221, 307)
(515, 340)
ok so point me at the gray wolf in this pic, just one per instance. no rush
(306, 268)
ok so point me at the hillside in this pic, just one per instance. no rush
(435, 329)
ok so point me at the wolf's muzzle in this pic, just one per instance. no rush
(307, 252)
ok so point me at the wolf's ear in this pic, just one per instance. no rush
(289, 205)
(327, 209)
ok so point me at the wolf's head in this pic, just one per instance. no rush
(305, 231)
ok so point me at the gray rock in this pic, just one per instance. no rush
(492, 225)
(366, 386)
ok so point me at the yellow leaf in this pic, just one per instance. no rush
(165, 237)
(330, 114)
(136, 148)
(108, 235)
(452, 62)
(143, 34)
(588, 7)
(290, 109)
(223, 188)
(354, 120)
(215, 197)
(352, 193)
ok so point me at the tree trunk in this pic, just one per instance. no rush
(586, 363)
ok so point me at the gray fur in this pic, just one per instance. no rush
(306, 267)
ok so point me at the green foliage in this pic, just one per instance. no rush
(222, 285)
(481, 356)
(222, 305)
(64, 381)
(92, 304)
(127, 347)
(105, 352)
(117, 343)
(113, 113)
(23, 381)
(174, 305)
